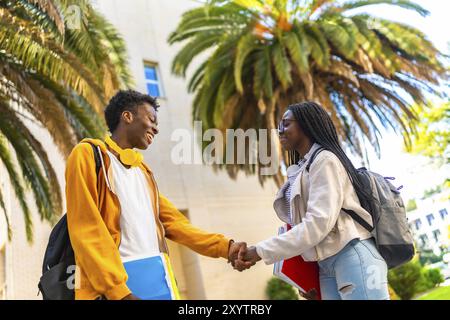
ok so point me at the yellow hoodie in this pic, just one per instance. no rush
(93, 218)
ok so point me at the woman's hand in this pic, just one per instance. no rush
(247, 257)
(310, 295)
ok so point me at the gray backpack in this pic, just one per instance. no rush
(390, 228)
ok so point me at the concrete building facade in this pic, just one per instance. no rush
(430, 222)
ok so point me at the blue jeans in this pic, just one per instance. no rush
(357, 272)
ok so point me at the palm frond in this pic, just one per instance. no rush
(17, 185)
(245, 46)
(282, 65)
(298, 51)
(348, 5)
(54, 77)
(320, 50)
(22, 141)
(365, 71)
(51, 9)
(5, 213)
(262, 81)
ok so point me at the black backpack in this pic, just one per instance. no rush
(390, 228)
(58, 267)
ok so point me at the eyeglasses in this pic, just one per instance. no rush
(282, 125)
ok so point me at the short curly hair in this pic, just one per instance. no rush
(125, 100)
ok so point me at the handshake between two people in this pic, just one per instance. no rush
(242, 257)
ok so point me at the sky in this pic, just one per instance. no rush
(413, 172)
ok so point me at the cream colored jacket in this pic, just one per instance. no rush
(321, 229)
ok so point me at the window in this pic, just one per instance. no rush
(430, 219)
(443, 213)
(418, 223)
(436, 234)
(152, 80)
(424, 239)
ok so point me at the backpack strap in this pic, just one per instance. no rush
(313, 156)
(59, 254)
(358, 219)
(68, 248)
(351, 213)
(98, 163)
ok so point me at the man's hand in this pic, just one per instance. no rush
(131, 297)
(233, 251)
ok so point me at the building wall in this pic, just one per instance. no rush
(4, 188)
(23, 260)
(240, 209)
(431, 206)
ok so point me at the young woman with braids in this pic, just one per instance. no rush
(311, 201)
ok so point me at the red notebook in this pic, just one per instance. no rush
(297, 272)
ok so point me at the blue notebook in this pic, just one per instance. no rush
(148, 279)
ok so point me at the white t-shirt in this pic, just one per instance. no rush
(137, 221)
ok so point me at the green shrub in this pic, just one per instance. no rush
(407, 279)
(392, 294)
(430, 279)
(433, 277)
(277, 289)
(428, 257)
(412, 278)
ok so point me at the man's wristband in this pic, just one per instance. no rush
(229, 246)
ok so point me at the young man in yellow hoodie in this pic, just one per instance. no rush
(120, 212)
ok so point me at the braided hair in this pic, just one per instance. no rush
(319, 128)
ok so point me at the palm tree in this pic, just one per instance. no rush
(59, 78)
(262, 56)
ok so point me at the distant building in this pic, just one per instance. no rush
(430, 222)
